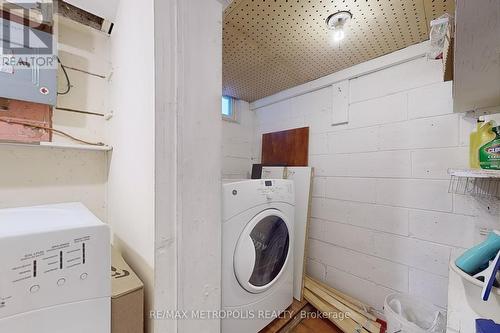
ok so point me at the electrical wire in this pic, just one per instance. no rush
(60, 108)
(15, 122)
(68, 82)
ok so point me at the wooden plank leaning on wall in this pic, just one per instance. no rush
(347, 313)
(286, 148)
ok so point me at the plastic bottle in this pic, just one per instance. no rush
(489, 153)
(477, 258)
(474, 146)
(486, 132)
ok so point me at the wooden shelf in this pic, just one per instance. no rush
(474, 173)
(57, 145)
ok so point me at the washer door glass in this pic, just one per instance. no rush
(271, 239)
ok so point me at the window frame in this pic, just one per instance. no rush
(232, 105)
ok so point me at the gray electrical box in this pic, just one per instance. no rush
(28, 67)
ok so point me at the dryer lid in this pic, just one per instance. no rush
(263, 251)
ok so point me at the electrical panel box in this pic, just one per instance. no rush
(28, 67)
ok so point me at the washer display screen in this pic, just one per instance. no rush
(271, 241)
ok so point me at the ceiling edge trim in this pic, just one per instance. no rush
(225, 3)
(395, 58)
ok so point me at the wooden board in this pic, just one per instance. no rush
(351, 302)
(286, 148)
(368, 324)
(302, 317)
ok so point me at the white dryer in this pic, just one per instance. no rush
(257, 253)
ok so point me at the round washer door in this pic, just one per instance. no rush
(262, 251)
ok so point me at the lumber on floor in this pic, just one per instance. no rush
(347, 313)
(346, 299)
(297, 322)
(324, 293)
(328, 308)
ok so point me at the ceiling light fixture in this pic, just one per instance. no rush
(336, 23)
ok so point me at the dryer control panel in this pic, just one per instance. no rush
(68, 261)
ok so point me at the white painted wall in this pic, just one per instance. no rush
(199, 229)
(110, 84)
(382, 217)
(34, 176)
(188, 41)
(130, 191)
(166, 162)
(237, 143)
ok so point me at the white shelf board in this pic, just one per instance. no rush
(59, 146)
(474, 173)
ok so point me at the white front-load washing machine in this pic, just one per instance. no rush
(257, 253)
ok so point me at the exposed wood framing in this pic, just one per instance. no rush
(79, 15)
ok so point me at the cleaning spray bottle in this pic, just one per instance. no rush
(474, 146)
(489, 153)
(478, 257)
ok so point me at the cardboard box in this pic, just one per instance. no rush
(449, 53)
(127, 297)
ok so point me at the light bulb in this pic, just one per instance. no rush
(338, 34)
(336, 23)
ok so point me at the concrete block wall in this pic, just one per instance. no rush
(237, 143)
(382, 218)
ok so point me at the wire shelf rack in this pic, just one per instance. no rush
(479, 183)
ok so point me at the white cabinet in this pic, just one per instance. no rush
(477, 56)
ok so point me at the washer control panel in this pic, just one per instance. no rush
(275, 190)
(238, 196)
(53, 267)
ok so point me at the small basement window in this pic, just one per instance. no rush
(228, 111)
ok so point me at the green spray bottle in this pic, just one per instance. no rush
(474, 145)
(489, 154)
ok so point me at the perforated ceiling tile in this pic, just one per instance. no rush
(272, 45)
